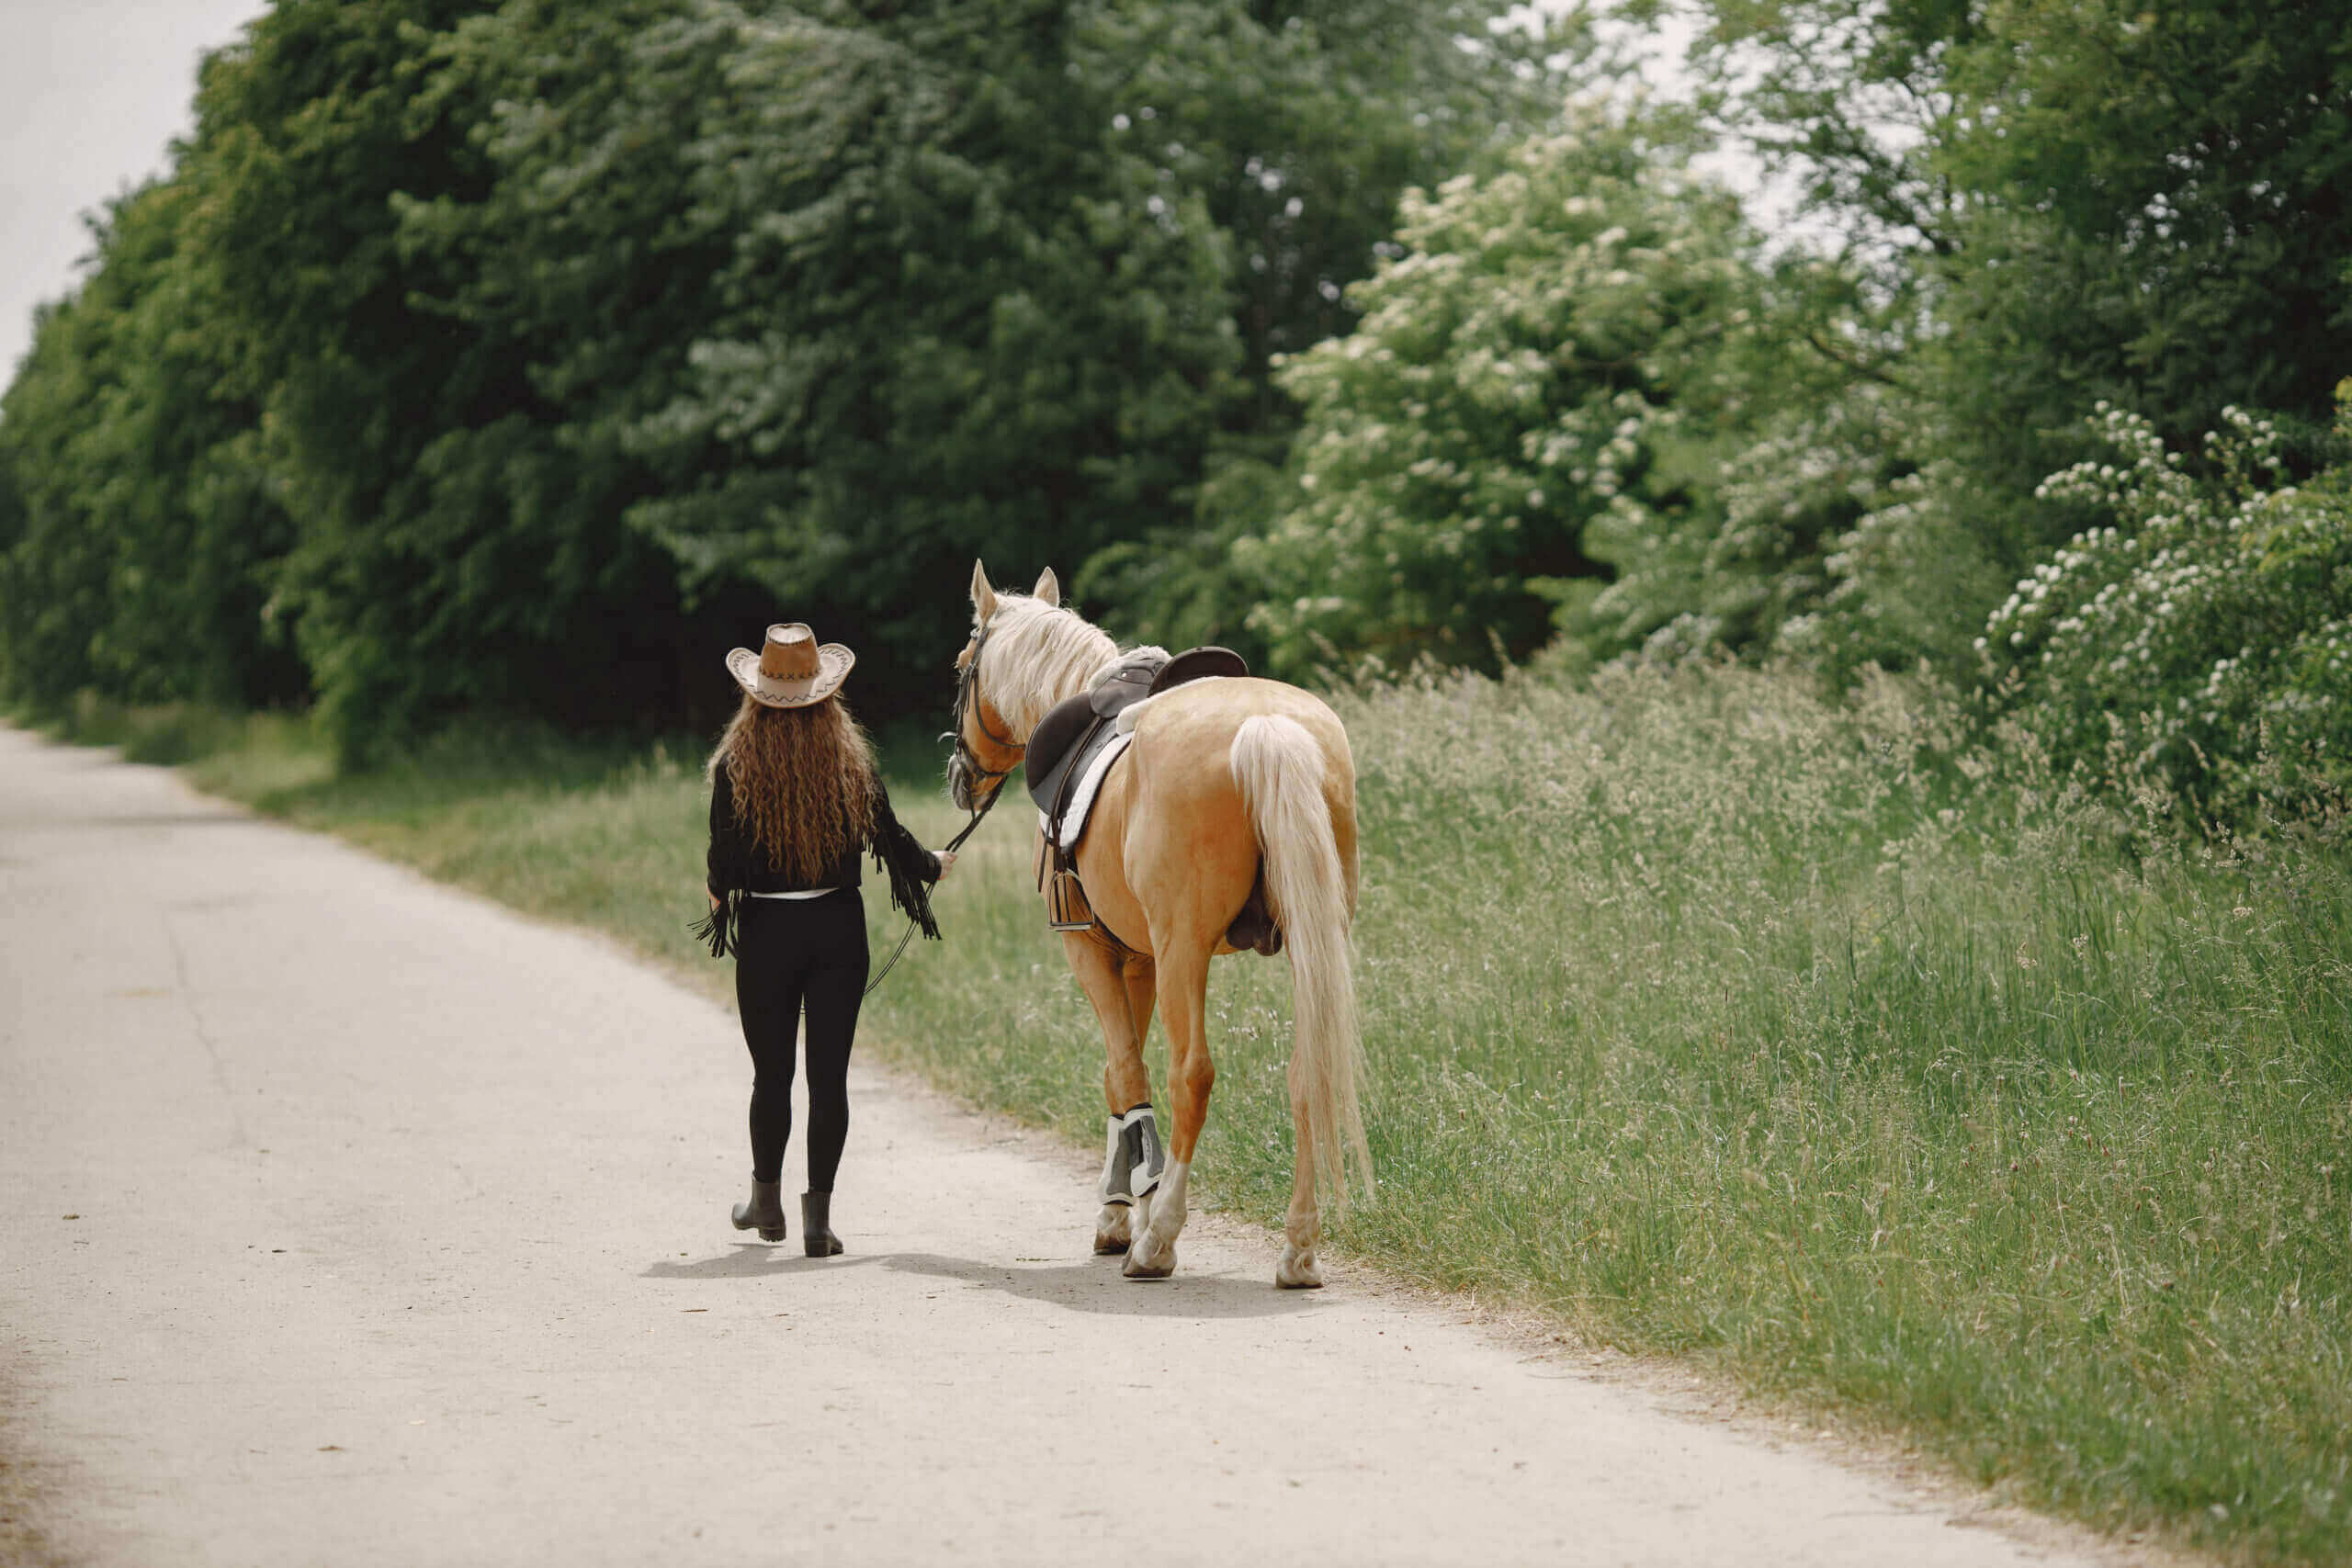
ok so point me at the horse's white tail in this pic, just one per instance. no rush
(1278, 768)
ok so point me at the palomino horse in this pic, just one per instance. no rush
(1222, 777)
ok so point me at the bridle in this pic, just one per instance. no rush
(967, 700)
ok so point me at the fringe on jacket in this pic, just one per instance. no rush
(912, 869)
(717, 929)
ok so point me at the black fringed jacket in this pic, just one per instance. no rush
(738, 866)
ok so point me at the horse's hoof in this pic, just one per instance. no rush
(1108, 1246)
(1113, 1226)
(1149, 1258)
(1297, 1271)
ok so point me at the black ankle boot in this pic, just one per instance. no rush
(815, 1224)
(766, 1210)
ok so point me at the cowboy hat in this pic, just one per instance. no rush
(791, 670)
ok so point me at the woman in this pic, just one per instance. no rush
(794, 798)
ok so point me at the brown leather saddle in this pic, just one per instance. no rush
(1077, 728)
(1068, 738)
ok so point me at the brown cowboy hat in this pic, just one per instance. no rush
(791, 670)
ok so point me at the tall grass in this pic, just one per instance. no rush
(1798, 1039)
(1733, 1025)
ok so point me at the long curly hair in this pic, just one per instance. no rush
(804, 782)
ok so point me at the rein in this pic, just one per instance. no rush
(966, 689)
(953, 845)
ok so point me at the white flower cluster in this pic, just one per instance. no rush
(2199, 637)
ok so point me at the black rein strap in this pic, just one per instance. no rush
(953, 845)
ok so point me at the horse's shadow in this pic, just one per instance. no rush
(1094, 1285)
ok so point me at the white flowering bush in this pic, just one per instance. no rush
(1547, 352)
(2201, 640)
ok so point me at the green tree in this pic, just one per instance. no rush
(146, 534)
(517, 357)
(446, 559)
(1537, 398)
(1010, 277)
(1301, 126)
(957, 317)
(2149, 206)
(56, 567)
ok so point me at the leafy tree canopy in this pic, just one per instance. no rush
(1007, 279)
(522, 356)
(1536, 395)
(2151, 207)
(140, 529)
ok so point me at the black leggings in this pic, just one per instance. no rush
(790, 953)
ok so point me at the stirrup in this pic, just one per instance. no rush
(1133, 1161)
(1067, 909)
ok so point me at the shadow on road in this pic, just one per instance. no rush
(750, 1260)
(1095, 1285)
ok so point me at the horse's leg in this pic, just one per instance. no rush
(1116, 1224)
(1183, 997)
(1125, 1082)
(1302, 1227)
(1143, 989)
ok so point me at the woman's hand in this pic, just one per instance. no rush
(945, 859)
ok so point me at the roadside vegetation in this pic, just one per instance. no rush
(1807, 1040)
(514, 358)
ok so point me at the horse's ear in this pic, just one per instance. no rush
(1049, 588)
(983, 596)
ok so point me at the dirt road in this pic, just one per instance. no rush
(350, 1220)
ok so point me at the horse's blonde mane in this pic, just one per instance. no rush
(1038, 654)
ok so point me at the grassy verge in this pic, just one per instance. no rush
(1721, 1023)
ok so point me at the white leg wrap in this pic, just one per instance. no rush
(1133, 1159)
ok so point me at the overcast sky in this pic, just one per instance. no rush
(91, 94)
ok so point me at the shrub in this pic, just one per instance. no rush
(2201, 640)
(1553, 350)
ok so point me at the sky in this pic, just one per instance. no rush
(92, 92)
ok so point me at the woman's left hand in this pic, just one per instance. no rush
(945, 858)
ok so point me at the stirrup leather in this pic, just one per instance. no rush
(1133, 1161)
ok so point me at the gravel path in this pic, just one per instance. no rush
(351, 1220)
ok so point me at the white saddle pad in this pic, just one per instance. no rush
(1072, 825)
